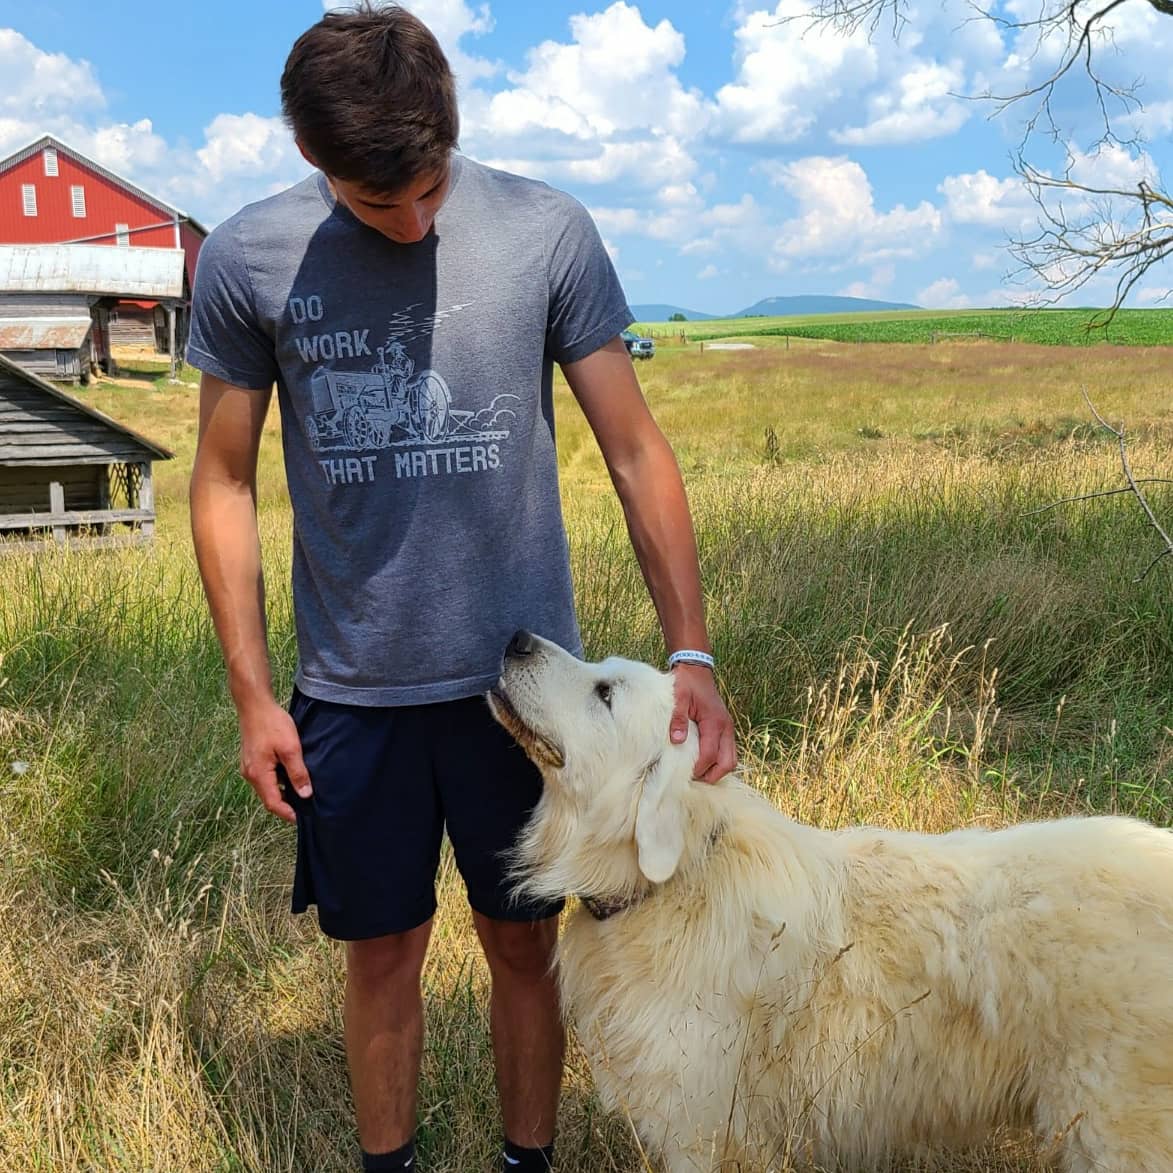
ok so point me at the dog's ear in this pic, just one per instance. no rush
(659, 822)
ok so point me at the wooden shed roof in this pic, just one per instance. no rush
(56, 397)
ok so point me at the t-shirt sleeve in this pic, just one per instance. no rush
(587, 304)
(227, 339)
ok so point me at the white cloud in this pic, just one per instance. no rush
(43, 84)
(597, 86)
(1113, 167)
(876, 286)
(979, 198)
(243, 144)
(787, 73)
(1154, 295)
(920, 105)
(944, 294)
(837, 216)
(580, 111)
(708, 273)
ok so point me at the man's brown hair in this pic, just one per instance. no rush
(369, 94)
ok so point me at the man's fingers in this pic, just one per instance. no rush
(269, 792)
(707, 752)
(726, 759)
(295, 771)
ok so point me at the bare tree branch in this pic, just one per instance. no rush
(1123, 233)
(1133, 487)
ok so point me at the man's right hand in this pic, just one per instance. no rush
(268, 738)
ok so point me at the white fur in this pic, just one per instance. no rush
(783, 995)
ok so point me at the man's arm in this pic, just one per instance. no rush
(228, 550)
(647, 479)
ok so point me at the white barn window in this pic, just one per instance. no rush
(78, 196)
(28, 197)
(50, 157)
(122, 234)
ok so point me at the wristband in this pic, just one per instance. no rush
(687, 656)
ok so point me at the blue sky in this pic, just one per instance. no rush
(726, 154)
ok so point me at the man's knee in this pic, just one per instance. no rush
(396, 959)
(518, 949)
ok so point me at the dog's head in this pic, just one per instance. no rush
(599, 735)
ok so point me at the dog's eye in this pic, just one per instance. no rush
(603, 692)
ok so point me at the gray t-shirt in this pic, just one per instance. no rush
(415, 388)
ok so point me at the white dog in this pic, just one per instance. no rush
(753, 990)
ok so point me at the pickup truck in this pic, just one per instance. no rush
(638, 347)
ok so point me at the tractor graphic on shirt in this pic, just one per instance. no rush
(389, 405)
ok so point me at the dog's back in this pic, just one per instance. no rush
(846, 995)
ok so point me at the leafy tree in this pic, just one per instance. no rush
(678, 317)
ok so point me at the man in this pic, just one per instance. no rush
(409, 304)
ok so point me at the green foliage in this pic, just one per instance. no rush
(1044, 327)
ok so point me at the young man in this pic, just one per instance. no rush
(409, 304)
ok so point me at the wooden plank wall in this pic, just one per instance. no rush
(44, 305)
(25, 489)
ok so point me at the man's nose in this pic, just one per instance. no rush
(414, 226)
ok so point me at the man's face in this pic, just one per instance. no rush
(404, 216)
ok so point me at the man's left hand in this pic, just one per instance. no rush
(697, 699)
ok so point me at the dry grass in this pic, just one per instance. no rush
(900, 643)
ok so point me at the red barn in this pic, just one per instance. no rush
(52, 194)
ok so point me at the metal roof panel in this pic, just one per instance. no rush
(43, 333)
(104, 270)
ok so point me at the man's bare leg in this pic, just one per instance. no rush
(526, 1025)
(384, 1019)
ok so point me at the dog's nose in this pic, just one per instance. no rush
(522, 644)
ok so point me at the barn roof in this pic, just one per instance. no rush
(94, 269)
(43, 333)
(49, 140)
(7, 366)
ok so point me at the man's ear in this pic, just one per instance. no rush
(659, 821)
(305, 154)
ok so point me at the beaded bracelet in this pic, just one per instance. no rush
(687, 656)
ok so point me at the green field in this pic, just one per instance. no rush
(911, 631)
(1045, 327)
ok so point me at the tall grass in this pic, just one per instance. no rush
(902, 640)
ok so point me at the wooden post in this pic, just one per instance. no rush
(57, 507)
(171, 338)
(146, 496)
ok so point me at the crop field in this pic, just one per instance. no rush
(1044, 327)
(916, 625)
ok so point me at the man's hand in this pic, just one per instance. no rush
(268, 738)
(697, 699)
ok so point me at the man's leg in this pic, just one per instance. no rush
(526, 1025)
(384, 1019)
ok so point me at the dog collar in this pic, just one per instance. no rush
(604, 907)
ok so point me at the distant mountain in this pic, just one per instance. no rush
(663, 313)
(782, 307)
(774, 307)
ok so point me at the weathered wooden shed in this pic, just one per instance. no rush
(52, 337)
(59, 279)
(67, 471)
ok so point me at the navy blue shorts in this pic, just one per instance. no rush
(387, 783)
